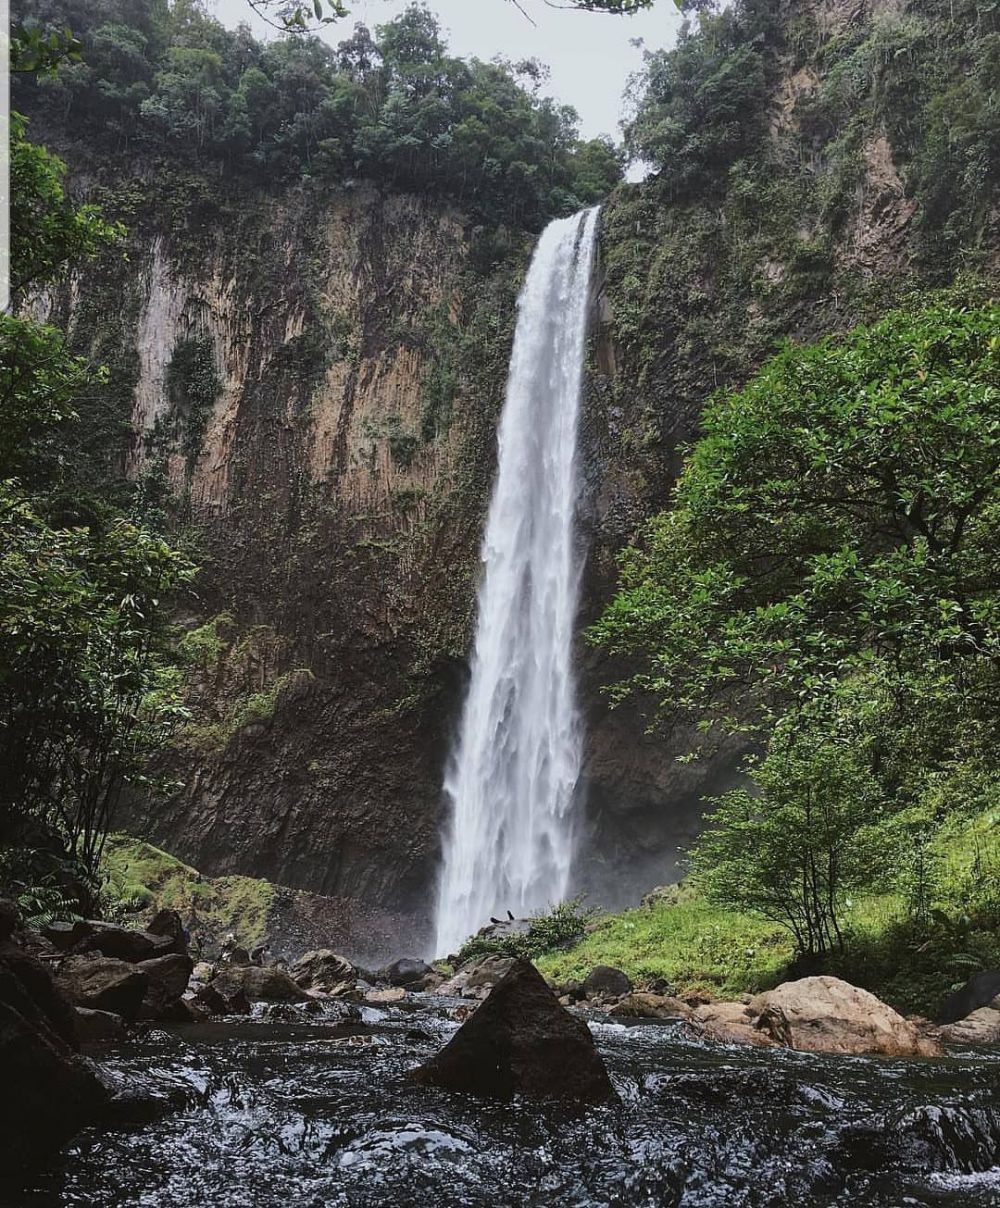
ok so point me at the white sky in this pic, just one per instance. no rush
(589, 54)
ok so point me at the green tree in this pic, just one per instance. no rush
(839, 509)
(806, 834)
(85, 680)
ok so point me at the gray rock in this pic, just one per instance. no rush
(168, 923)
(122, 943)
(605, 982)
(323, 969)
(406, 971)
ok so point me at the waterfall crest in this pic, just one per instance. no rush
(512, 776)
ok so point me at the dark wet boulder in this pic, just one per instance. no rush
(122, 943)
(520, 1042)
(324, 970)
(605, 982)
(10, 919)
(256, 984)
(167, 979)
(218, 1000)
(34, 992)
(978, 991)
(98, 1027)
(167, 923)
(47, 1092)
(953, 1139)
(133, 1099)
(65, 935)
(406, 971)
(103, 983)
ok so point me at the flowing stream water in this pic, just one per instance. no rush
(513, 774)
(317, 1114)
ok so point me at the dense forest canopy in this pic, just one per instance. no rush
(168, 81)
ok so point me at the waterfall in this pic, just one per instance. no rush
(513, 773)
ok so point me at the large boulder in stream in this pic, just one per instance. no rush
(827, 1015)
(520, 1042)
(103, 983)
(166, 980)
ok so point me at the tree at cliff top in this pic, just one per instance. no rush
(173, 83)
(84, 682)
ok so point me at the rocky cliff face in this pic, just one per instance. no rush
(312, 381)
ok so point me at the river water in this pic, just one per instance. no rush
(316, 1115)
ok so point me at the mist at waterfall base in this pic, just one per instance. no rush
(512, 778)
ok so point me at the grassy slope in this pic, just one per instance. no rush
(911, 965)
(141, 876)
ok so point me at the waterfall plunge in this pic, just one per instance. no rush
(512, 777)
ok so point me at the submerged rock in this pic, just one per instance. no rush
(520, 1041)
(827, 1015)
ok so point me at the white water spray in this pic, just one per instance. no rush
(514, 771)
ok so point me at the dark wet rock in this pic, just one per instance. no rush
(324, 969)
(168, 923)
(98, 1027)
(978, 991)
(641, 1005)
(605, 982)
(48, 1092)
(31, 991)
(520, 1041)
(212, 999)
(406, 971)
(256, 984)
(960, 1140)
(122, 943)
(167, 979)
(10, 919)
(102, 983)
(572, 989)
(136, 1099)
(65, 935)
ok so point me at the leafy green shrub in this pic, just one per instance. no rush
(549, 931)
